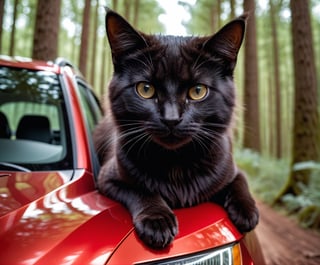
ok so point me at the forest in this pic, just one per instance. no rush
(277, 128)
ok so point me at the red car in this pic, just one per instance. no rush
(50, 211)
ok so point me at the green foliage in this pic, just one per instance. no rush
(267, 176)
(307, 204)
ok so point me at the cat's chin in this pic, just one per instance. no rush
(172, 143)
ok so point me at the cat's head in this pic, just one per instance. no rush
(172, 90)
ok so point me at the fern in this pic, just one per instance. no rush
(267, 176)
(306, 205)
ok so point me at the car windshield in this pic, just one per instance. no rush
(33, 124)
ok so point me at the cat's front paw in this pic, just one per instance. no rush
(244, 216)
(156, 227)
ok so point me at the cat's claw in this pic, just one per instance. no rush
(156, 228)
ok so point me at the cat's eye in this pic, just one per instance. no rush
(198, 92)
(145, 90)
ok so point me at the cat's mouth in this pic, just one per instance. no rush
(171, 141)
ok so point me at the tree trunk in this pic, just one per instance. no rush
(13, 28)
(115, 5)
(127, 10)
(251, 94)
(45, 40)
(83, 57)
(219, 13)
(275, 48)
(232, 9)
(1, 22)
(75, 39)
(136, 13)
(213, 17)
(94, 45)
(104, 61)
(306, 117)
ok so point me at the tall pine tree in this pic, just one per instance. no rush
(45, 40)
(251, 90)
(306, 129)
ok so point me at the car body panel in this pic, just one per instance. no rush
(21, 188)
(200, 228)
(80, 137)
(27, 63)
(75, 212)
(74, 223)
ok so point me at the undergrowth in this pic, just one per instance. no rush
(267, 177)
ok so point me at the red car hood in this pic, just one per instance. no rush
(47, 220)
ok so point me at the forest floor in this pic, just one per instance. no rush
(284, 242)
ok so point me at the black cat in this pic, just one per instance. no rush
(165, 140)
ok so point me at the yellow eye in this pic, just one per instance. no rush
(198, 92)
(145, 90)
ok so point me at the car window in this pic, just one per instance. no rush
(90, 106)
(93, 113)
(33, 129)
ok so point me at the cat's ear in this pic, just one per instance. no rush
(123, 38)
(227, 41)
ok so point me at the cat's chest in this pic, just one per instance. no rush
(184, 187)
(173, 171)
(178, 173)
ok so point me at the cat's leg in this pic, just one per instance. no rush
(154, 221)
(240, 205)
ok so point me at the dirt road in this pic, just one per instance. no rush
(284, 242)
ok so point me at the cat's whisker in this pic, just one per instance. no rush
(211, 133)
(147, 139)
(207, 138)
(130, 133)
(105, 144)
(200, 142)
(135, 140)
(136, 135)
(132, 128)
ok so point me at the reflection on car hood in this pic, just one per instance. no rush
(20, 188)
(44, 219)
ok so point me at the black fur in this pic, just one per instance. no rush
(171, 151)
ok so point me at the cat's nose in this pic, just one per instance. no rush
(171, 122)
(171, 116)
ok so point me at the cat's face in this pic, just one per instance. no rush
(172, 90)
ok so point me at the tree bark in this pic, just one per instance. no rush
(1, 22)
(83, 57)
(115, 5)
(104, 62)
(306, 127)
(232, 9)
(136, 13)
(13, 28)
(277, 87)
(127, 9)
(75, 39)
(45, 40)
(251, 93)
(94, 45)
